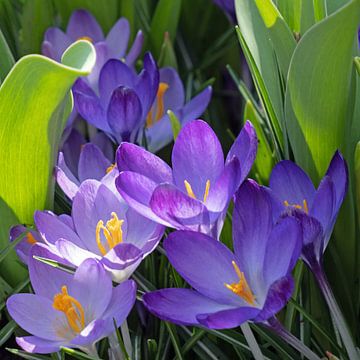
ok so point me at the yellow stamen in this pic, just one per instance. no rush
(72, 309)
(112, 232)
(86, 38)
(30, 238)
(110, 168)
(241, 288)
(303, 207)
(157, 108)
(190, 192)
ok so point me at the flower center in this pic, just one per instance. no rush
(241, 288)
(87, 38)
(112, 232)
(157, 110)
(190, 192)
(72, 309)
(303, 207)
(110, 168)
(30, 239)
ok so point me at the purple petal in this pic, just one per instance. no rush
(114, 73)
(134, 158)
(71, 150)
(277, 297)
(244, 148)
(27, 309)
(196, 106)
(227, 319)
(174, 96)
(252, 223)
(104, 144)
(181, 306)
(118, 38)
(24, 246)
(338, 172)
(197, 157)
(92, 287)
(122, 256)
(102, 55)
(92, 333)
(137, 190)
(92, 203)
(205, 263)
(92, 163)
(58, 43)
(88, 105)
(283, 249)
(83, 24)
(177, 209)
(290, 183)
(34, 344)
(135, 50)
(124, 112)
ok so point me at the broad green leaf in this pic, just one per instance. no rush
(6, 57)
(319, 9)
(36, 17)
(264, 161)
(357, 178)
(165, 19)
(280, 34)
(357, 64)
(333, 5)
(34, 105)
(320, 71)
(291, 11)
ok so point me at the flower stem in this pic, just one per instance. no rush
(280, 330)
(253, 345)
(335, 311)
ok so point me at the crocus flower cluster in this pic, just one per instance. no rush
(67, 310)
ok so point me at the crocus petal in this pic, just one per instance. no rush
(92, 163)
(227, 319)
(92, 203)
(124, 113)
(34, 344)
(206, 264)
(69, 187)
(244, 148)
(121, 303)
(290, 183)
(45, 279)
(102, 55)
(251, 231)
(24, 246)
(69, 175)
(36, 315)
(118, 38)
(181, 306)
(174, 96)
(122, 256)
(277, 297)
(283, 249)
(83, 24)
(104, 143)
(196, 106)
(92, 287)
(59, 43)
(197, 157)
(178, 210)
(71, 150)
(338, 172)
(88, 105)
(325, 208)
(92, 333)
(114, 73)
(137, 189)
(135, 49)
(224, 188)
(131, 157)
(52, 229)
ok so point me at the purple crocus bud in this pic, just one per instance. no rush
(124, 100)
(195, 193)
(253, 283)
(100, 227)
(82, 25)
(292, 189)
(74, 311)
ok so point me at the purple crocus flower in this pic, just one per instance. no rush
(124, 100)
(82, 25)
(195, 193)
(67, 310)
(292, 189)
(253, 283)
(103, 227)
